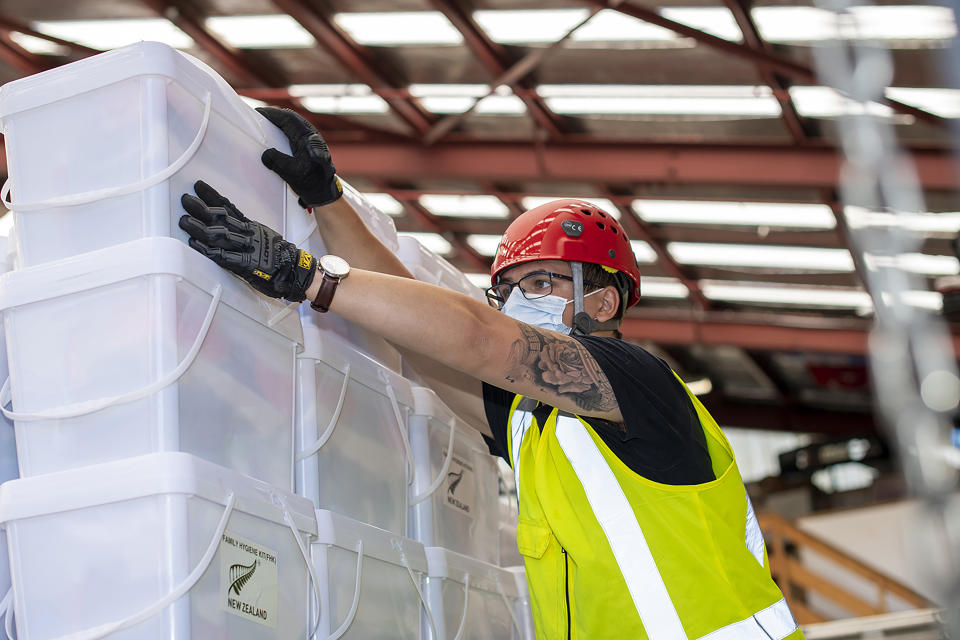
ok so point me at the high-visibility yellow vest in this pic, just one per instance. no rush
(611, 554)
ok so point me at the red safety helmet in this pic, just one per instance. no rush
(571, 230)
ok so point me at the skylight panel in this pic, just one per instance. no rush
(502, 105)
(531, 26)
(767, 214)
(761, 256)
(825, 102)
(261, 32)
(455, 90)
(696, 100)
(942, 102)
(651, 287)
(464, 206)
(786, 294)
(643, 252)
(339, 98)
(809, 24)
(484, 244)
(37, 45)
(385, 202)
(528, 26)
(717, 21)
(529, 202)
(432, 241)
(481, 280)
(399, 28)
(920, 263)
(943, 223)
(114, 33)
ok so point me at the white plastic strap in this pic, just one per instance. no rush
(435, 484)
(6, 610)
(306, 558)
(509, 606)
(89, 406)
(466, 604)
(401, 425)
(334, 419)
(416, 585)
(113, 192)
(112, 627)
(342, 629)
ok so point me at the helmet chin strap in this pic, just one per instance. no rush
(583, 324)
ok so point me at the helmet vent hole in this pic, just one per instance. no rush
(614, 229)
(585, 212)
(601, 225)
(602, 214)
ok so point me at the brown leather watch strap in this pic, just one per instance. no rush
(328, 287)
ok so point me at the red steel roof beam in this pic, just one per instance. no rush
(191, 23)
(15, 25)
(774, 62)
(356, 59)
(751, 35)
(494, 58)
(18, 57)
(626, 163)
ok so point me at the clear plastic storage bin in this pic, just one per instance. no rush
(471, 599)
(157, 547)
(370, 581)
(153, 120)
(304, 233)
(522, 604)
(353, 453)
(147, 347)
(454, 499)
(427, 266)
(8, 453)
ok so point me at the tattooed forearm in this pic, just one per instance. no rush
(560, 365)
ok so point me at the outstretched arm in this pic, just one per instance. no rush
(471, 337)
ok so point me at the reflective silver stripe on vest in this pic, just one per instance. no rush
(520, 421)
(754, 537)
(647, 589)
(613, 512)
(775, 623)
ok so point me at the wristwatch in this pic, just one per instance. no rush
(333, 269)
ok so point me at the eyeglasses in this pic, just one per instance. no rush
(533, 285)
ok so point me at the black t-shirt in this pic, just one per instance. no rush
(661, 437)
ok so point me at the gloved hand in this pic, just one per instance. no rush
(310, 171)
(253, 251)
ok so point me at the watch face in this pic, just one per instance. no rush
(334, 266)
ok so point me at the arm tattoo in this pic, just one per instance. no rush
(560, 365)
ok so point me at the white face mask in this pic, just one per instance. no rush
(545, 312)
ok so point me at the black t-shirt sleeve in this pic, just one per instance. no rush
(496, 403)
(661, 437)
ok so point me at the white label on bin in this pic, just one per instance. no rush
(460, 488)
(248, 579)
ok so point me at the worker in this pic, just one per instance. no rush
(634, 521)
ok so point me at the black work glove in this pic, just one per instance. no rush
(253, 251)
(310, 171)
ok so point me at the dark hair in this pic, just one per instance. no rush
(596, 273)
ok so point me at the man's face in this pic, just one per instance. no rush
(562, 288)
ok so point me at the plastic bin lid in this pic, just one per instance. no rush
(150, 475)
(343, 532)
(443, 563)
(331, 349)
(148, 256)
(101, 70)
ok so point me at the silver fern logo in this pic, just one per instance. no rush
(240, 575)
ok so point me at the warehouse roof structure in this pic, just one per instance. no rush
(700, 123)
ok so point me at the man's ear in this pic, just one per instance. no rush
(609, 304)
